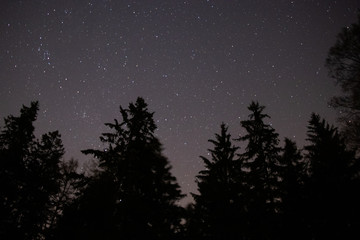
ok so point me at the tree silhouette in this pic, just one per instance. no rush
(71, 184)
(261, 166)
(134, 195)
(266, 192)
(28, 176)
(217, 204)
(293, 175)
(90, 215)
(343, 62)
(333, 184)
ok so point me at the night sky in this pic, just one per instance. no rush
(196, 63)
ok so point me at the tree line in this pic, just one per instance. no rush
(267, 190)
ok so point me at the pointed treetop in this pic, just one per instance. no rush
(256, 111)
(138, 120)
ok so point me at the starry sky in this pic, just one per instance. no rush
(197, 63)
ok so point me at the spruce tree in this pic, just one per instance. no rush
(261, 166)
(28, 176)
(293, 175)
(134, 195)
(333, 185)
(217, 204)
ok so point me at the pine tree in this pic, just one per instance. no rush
(333, 183)
(217, 204)
(28, 176)
(293, 175)
(261, 166)
(134, 195)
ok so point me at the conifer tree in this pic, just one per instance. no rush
(217, 204)
(134, 195)
(293, 175)
(28, 176)
(333, 184)
(261, 168)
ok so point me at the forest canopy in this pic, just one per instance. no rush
(264, 191)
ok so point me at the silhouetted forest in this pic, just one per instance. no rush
(266, 190)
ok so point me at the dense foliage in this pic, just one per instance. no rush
(265, 191)
(31, 178)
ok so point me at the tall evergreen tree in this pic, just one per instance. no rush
(333, 184)
(293, 175)
(134, 195)
(28, 176)
(261, 165)
(217, 204)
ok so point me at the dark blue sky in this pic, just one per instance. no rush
(197, 63)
